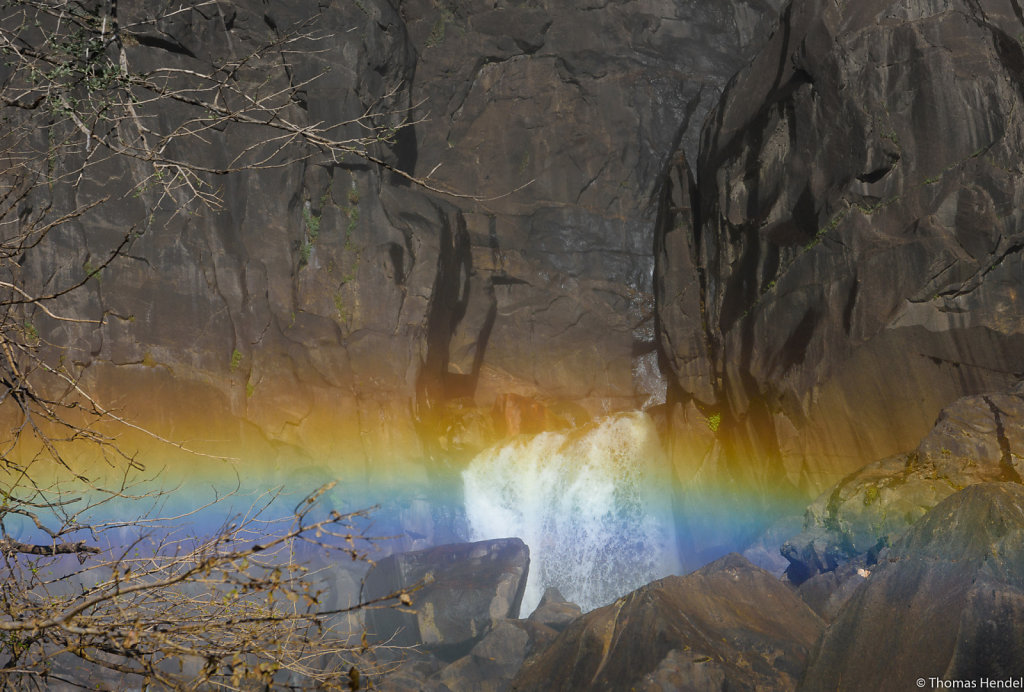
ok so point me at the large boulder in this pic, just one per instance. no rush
(728, 625)
(948, 603)
(849, 259)
(465, 590)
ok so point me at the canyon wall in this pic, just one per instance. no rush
(849, 260)
(332, 310)
(793, 273)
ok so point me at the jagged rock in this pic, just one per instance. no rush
(727, 625)
(492, 663)
(683, 335)
(683, 670)
(947, 603)
(827, 592)
(467, 589)
(856, 232)
(975, 440)
(554, 611)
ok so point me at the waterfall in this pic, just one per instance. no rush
(593, 504)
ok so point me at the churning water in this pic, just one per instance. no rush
(593, 504)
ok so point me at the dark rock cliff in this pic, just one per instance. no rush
(580, 104)
(841, 262)
(330, 307)
(843, 259)
(849, 260)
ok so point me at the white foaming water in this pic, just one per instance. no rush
(594, 505)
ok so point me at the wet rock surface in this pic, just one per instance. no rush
(728, 625)
(582, 112)
(554, 611)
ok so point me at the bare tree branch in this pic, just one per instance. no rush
(10, 546)
(141, 598)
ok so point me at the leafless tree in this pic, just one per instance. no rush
(235, 609)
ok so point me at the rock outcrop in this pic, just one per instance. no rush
(494, 662)
(948, 602)
(466, 590)
(976, 439)
(728, 625)
(847, 262)
(554, 611)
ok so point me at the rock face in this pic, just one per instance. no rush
(948, 603)
(251, 326)
(728, 625)
(977, 439)
(467, 589)
(848, 261)
(579, 104)
(828, 592)
(330, 309)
